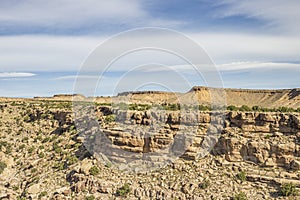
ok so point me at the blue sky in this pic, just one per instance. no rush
(43, 44)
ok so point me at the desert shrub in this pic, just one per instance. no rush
(15, 187)
(39, 138)
(46, 139)
(124, 190)
(94, 171)
(59, 166)
(31, 149)
(3, 144)
(268, 136)
(26, 118)
(203, 108)
(288, 189)
(242, 176)
(256, 108)
(205, 184)
(285, 109)
(72, 128)
(25, 139)
(42, 194)
(110, 118)
(54, 137)
(139, 107)
(133, 106)
(232, 108)
(72, 160)
(91, 197)
(58, 150)
(22, 146)
(41, 155)
(172, 107)
(240, 196)
(33, 170)
(8, 148)
(245, 108)
(2, 166)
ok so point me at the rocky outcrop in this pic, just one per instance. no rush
(268, 139)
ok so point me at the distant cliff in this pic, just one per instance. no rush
(236, 97)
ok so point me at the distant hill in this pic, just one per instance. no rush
(202, 95)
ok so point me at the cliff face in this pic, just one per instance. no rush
(267, 139)
(43, 154)
(205, 95)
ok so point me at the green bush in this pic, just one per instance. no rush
(256, 108)
(59, 166)
(139, 107)
(91, 197)
(46, 139)
(204, 108)
(245, 108)
(240, 196)
(72, 160)
(285, 109)
(2, 166)
(268, 136)
(242, 176)
(124, 190)
(94, 170)
(31, 149)
(33, 170)
(42, 194)
(232, 108)
(288, 189)
(57, 148)
(205, 184)
(8, 147)
(41, 155)
(110, 118)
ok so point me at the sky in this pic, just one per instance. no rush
(44, 45)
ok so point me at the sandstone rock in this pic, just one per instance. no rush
(85, 166)
(34, 189)
(295, 165)
(106, 187)
(80, 139)
(270, 162)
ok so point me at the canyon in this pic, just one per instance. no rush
(139, 146)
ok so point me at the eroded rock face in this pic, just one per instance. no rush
(270, 139)
(45, 158)
(263, 138)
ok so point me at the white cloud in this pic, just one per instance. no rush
(230, 47)
(62, 53)
(255, 65)
(15, 74)
(44, 53)
(280, 14)
(69, 13)
(74, 77)
(233, 66)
